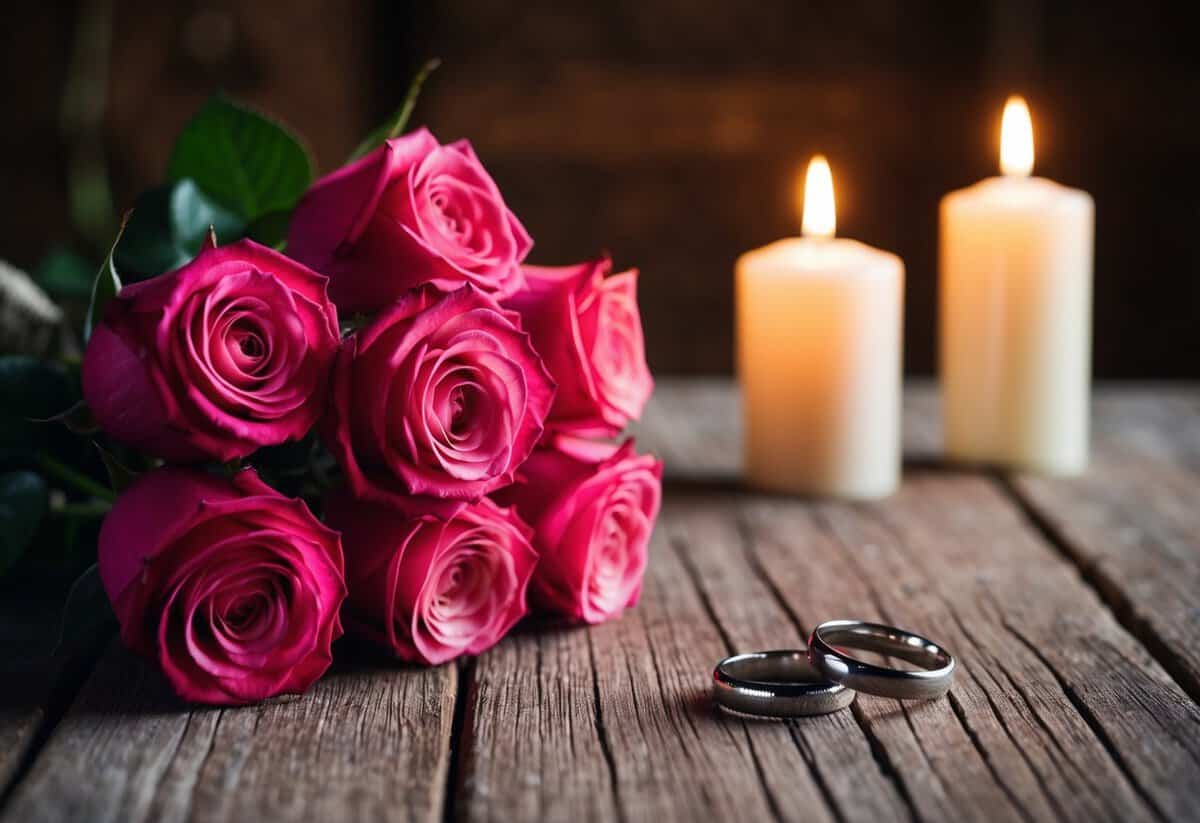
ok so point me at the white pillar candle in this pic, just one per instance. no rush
(819, 357)
(1016, 314)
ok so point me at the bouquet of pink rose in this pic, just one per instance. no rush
(455, 431)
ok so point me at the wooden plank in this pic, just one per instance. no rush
(614, 722)
(1061, 706)
(1055, 704)
(368, 742)
(1132, 522)
(707, 534)
(532, 747)
(37, 680)
(674, 756)
(26, 630)
(694, 424)
(1058, 713)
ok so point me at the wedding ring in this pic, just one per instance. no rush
(933, 680)
(776, 684)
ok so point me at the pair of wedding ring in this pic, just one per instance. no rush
(824, 678)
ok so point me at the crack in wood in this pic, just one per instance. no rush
(1113, 733)
(680, 549)
(1106, 587)
(1090, 719)
(955, 703)
(461, 738)
(602, 734)
(66, 684)
(999, 716)
(959, 712)
(886, 767)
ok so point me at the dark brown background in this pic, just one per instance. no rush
(670, 131)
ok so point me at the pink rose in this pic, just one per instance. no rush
(409, 213)
(592, 507)
(587, 328)
(215, 359)
(231, 587)
(433, 589)
(441, 396)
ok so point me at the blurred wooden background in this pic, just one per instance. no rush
(671, 131)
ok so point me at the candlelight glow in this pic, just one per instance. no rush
(1016, 139)
(820, 218)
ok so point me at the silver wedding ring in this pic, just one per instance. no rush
(826, 655)
(825, 678)
(776, 684)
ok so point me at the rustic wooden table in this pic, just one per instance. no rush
(1073, 606)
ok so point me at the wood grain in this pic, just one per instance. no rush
(1132, 522)
(39, 674)
(642, 741)
(1071, 701)
(533, 747)
(694, 424)
(366, 743)
(1066, 713)
(707, 534)
(1082, 678)
(25, 628)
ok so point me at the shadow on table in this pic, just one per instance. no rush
(731, 484)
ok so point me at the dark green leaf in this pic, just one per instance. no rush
(65, 275)
(355, 322)
(394, 125)
(147, 246)
(86, 620)
(105, 287)
(119, 476)
(30, 390)
(248, 163)
(286, 458)
(87, 615)
(78, 419)
(23, 501)
(194, 215)
(271, 229)
(168, 226)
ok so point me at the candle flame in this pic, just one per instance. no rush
(820, 215)
(1016, 139)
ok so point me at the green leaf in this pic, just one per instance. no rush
(87, 616)
(30, 390)
(271, 229)
(23, 501)
(355, 322)
(119, 477)
(78, 419)
(105, 286)
(168, 226)
(147, 246)
(394, 125)
(65, 275)
(248, 163)
(194, 216)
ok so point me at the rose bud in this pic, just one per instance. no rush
(411, 212)
(433, 589)
(592, 507)
(441, 396)
(229, 353)
(231, 587)
(587, 328)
